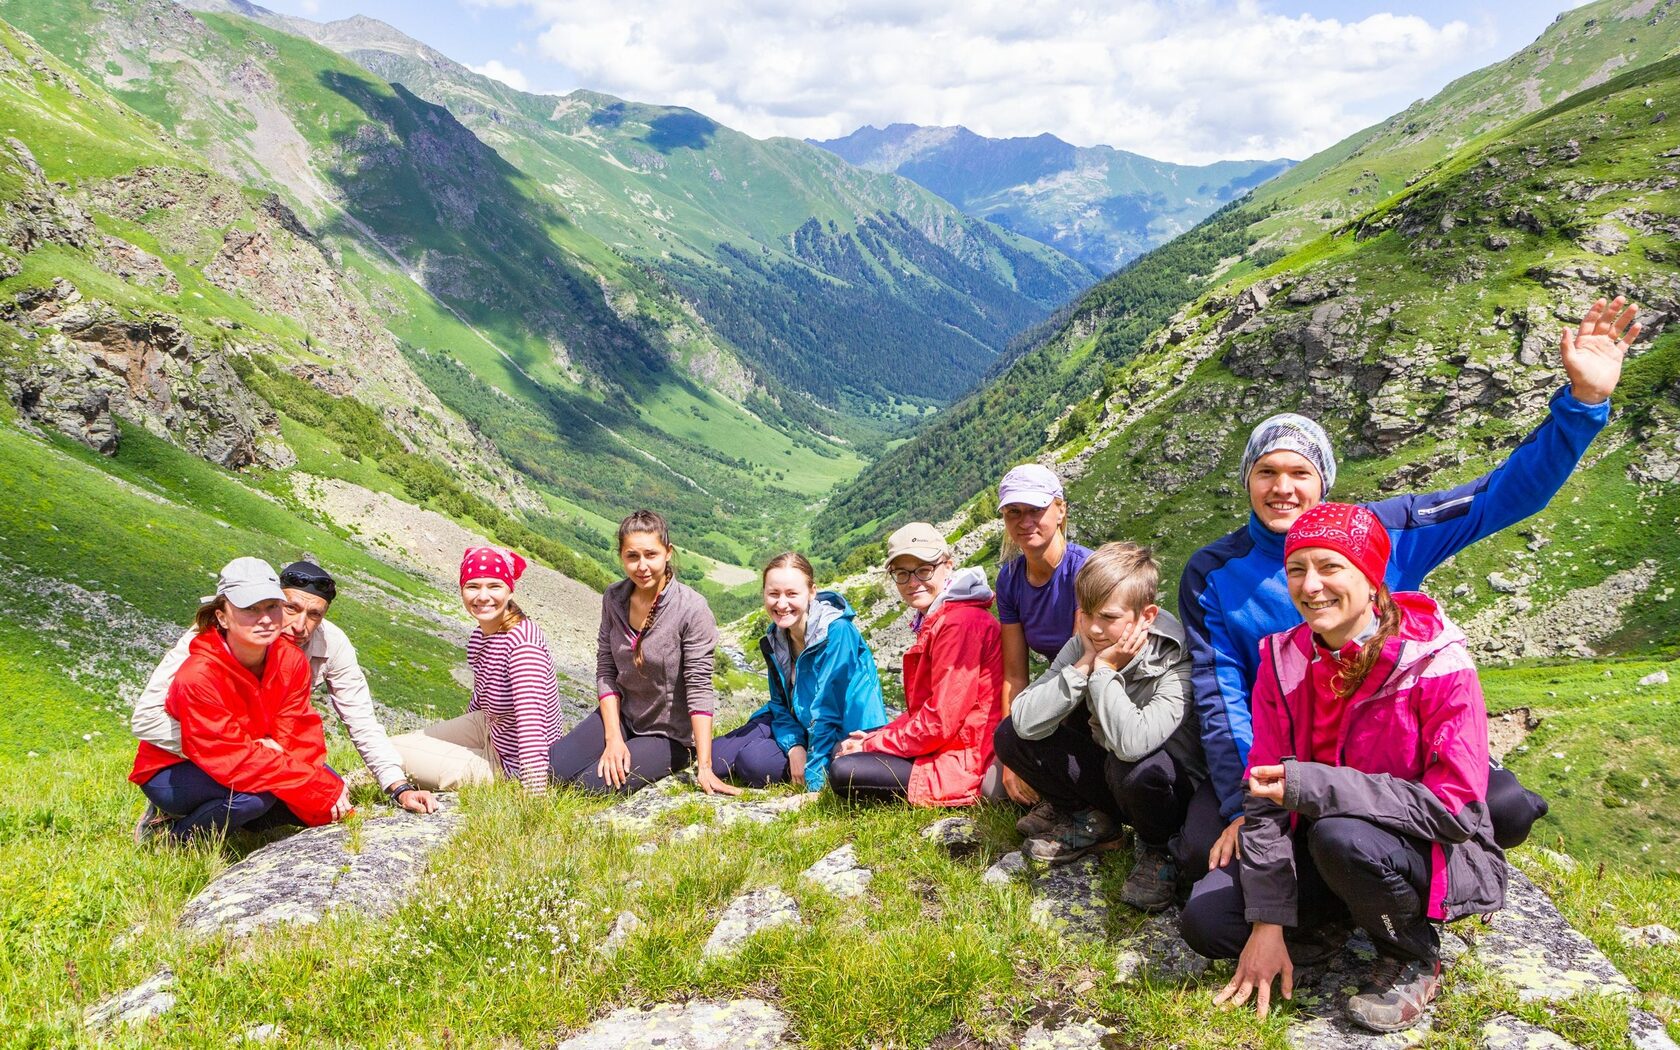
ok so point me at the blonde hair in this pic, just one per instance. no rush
(1127, 570)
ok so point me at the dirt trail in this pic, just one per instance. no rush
(430, 544)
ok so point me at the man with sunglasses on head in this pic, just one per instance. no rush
(309, 591)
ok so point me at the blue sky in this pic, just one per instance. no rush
(1186, 80)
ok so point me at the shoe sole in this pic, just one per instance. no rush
(1068, 858)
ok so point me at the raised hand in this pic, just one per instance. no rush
(1593, 353)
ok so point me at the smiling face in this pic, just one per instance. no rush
(1282, 486)
(1332, 596)
(916, 592)
(255, 626)
(304, 613)
(787, 596)
(486, 598)
(644, 558)
(1033, 529)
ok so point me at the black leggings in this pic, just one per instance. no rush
(573, 758)
(1345, 867)
(1071, 771)
(870, 776)
(1512, 808)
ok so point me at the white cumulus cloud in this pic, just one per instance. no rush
(1188, 80)
(508, 75)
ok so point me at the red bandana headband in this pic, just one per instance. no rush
(480, 563)
(1351, 531)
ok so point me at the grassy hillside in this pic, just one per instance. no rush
(1077, 358)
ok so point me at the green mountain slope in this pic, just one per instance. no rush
(1101, 205)
(1009, 419)
(814, 270)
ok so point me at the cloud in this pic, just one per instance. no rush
(513, 78)
(1189, 80)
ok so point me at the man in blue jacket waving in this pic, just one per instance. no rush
(1234, 593)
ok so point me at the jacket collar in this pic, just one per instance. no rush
(1265, 540)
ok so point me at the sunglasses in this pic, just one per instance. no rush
(313, 582)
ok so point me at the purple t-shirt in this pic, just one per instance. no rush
(1045, 613)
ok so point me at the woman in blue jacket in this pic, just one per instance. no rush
(823, 685)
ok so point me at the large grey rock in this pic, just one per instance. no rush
(624, 927)
(748, 914)
(1509, 1033)
(1066, 899)
(744, 1024)
(957, 834)
(840, 873)
(1655, 678)
(150, 998)
(1321, 995)
(1530, 945)
(1646, 1031)
(642, 812)
(318, 871)
(1075, 1035)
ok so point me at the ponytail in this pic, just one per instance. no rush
(1353, 674)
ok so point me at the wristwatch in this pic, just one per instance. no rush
(396, 791)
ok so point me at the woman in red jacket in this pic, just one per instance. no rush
(938, 751)
(254, 751)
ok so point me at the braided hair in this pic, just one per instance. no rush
(655, 524)
(1348, 680)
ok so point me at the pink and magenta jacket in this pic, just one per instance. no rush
(1412, 758)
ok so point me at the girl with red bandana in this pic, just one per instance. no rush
(515, 711)
(1366, 784)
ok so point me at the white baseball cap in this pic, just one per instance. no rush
(246, 581)
(1031, 484)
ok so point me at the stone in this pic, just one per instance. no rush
(262, 1033)
(624, 927)
(1529, 944)
(741, 1024)
(958, 835)
(150, 998)
(749, 914)
(1006, 869)
(1509, 1033)
(1076, 1035)
(1156, 950)
(306, 876)
(840, 873)
(1066, 899)
(1655, 678)
(1654, 936)
(735, 811)
(639, 813)
(1647, 1032)
(1561, 861)
(1501, 583)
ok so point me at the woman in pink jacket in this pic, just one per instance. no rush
(937, 752)
(1367, 784)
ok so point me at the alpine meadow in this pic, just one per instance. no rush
(316, 292)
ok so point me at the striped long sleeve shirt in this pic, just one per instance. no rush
(514, 685)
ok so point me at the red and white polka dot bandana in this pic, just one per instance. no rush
(480, 563)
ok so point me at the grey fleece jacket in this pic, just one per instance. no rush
(675, 678)
(1144, 706)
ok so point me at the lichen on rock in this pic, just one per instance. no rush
(743, 1024)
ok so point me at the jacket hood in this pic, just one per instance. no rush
(966, 585)
(1424, 632)
(826, 608)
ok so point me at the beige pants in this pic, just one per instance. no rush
(446, 756)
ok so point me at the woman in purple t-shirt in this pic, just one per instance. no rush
(1036, 603)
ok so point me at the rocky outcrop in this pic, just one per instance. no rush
(368, 869)
(840, 873)
(747, 915)
(744, 1024)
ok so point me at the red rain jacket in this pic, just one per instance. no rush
(953, 700)
(224, 710)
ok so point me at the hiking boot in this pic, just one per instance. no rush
(152, 823)
(1150, 885)
(1316, 944)
(1396, 995)
(1039, 821)
(1081, 833)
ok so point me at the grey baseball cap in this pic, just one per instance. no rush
(246, 581)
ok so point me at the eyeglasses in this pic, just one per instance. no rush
(923, 573)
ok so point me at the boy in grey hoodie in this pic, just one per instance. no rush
(1108, 733)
